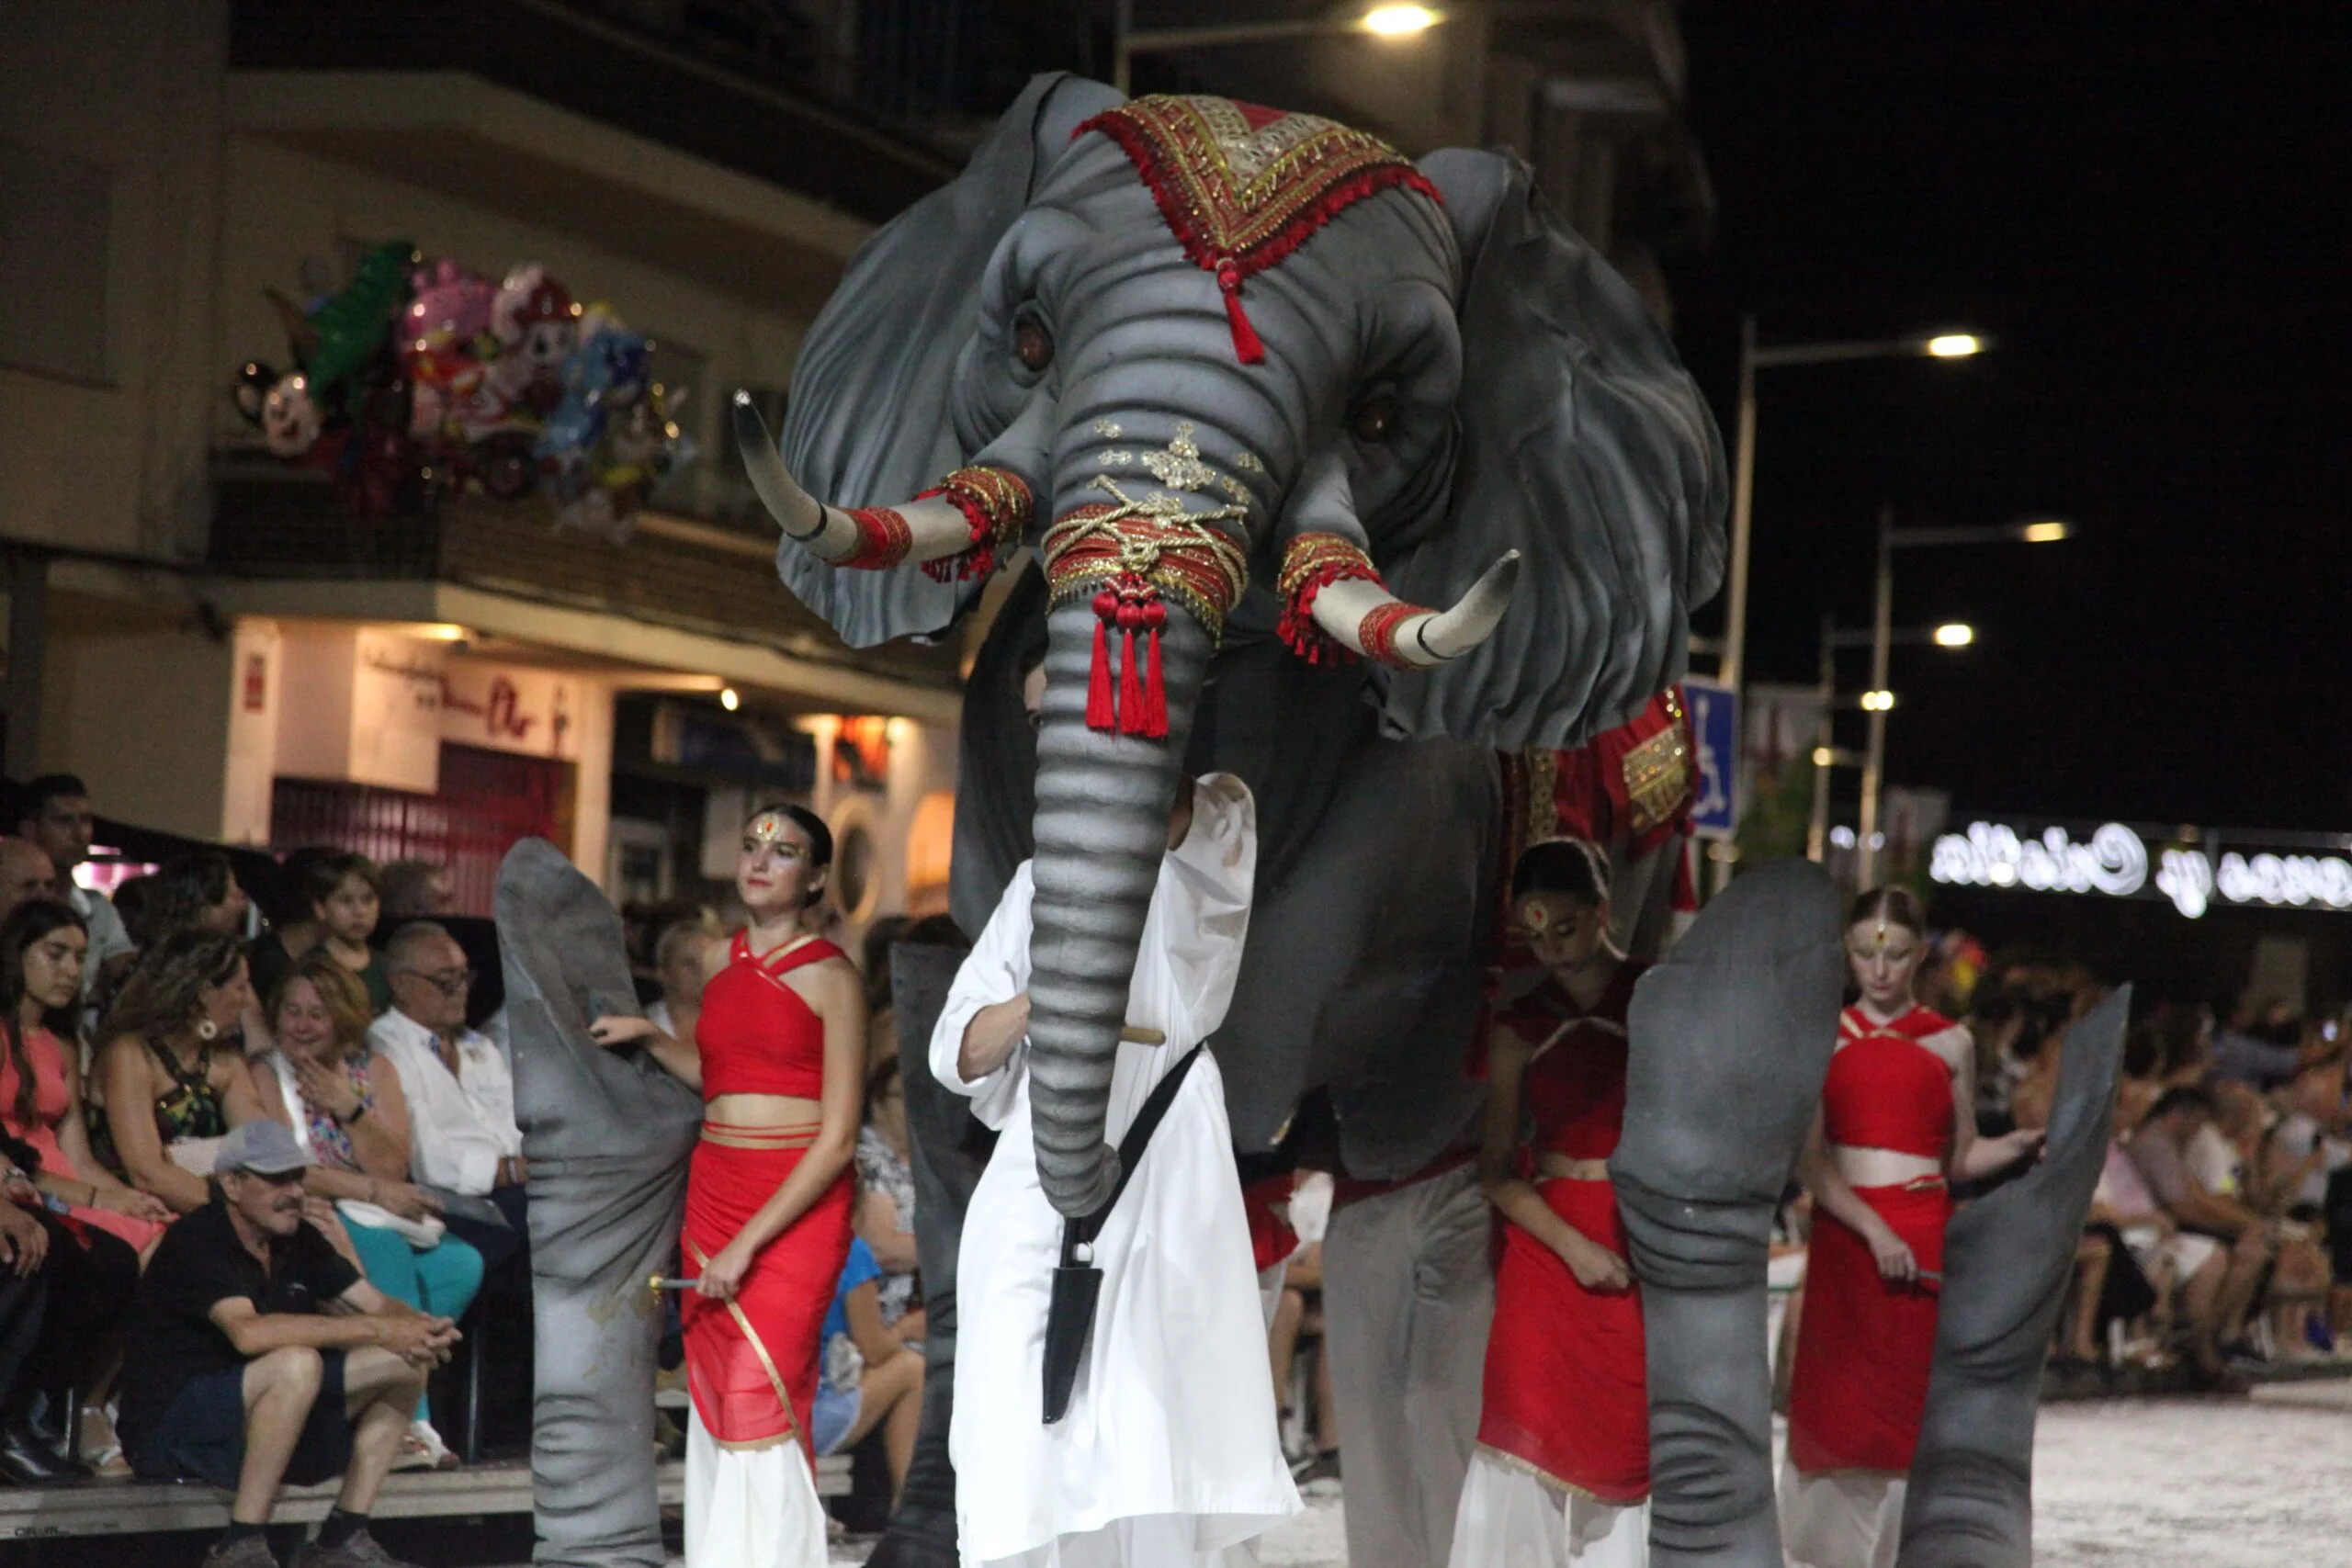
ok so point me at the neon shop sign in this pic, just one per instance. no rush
(2123, 862)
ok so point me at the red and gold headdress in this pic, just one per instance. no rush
(1243, 186)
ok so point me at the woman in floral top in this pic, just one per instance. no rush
(886, 1197)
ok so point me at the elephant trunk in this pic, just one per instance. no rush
(1730, 1040)
(1101, 829)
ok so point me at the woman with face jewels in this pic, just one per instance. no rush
(779, 1055)
(1562, 1471)
(1897, 1124)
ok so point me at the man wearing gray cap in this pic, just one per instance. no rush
(236, 1375)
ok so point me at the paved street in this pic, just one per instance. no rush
(2152, 1484)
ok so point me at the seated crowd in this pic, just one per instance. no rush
(2222, 1228)
(263, 1181)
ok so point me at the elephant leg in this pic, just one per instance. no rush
(599, 1230)
(608, 1135)
(1730, 1039)
(951, 1149)
(2007, 1262)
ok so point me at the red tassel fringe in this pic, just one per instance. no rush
(1155, 697)
(1246, 346)
(1099, 714)
(1134, 609)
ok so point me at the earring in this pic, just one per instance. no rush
(206, 1029)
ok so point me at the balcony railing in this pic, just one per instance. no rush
(270, 522)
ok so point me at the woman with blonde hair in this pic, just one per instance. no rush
(352, 1119)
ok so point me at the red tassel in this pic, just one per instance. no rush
(1155, 695)
(1131, 686)
(1246, 344)
(1098, 685)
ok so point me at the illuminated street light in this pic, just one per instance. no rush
(1755, 356)
(730, 699)
(1398, 21)
(1877, 701)
(2045, 532)
(1127, 41)
(1955, 634)
(1823, 756)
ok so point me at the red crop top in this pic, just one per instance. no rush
(1575, 1086)
(1886, 1090)
(755, 1034)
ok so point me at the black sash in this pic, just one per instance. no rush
(1069, 1313)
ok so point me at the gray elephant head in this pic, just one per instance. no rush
(1415, 377)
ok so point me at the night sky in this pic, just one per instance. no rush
(2146, 205)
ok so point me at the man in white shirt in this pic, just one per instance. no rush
(460, 1092)
(57, 817)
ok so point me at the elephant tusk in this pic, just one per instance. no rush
(933, 529)
(1366, 618)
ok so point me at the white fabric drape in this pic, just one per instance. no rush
(749, 1508)
(1168, 1454)
(1510, 1519)
(1841, 1518)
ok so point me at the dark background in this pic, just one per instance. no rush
(2145, 205)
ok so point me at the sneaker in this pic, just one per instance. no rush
(361, 1550)
(251, 1552)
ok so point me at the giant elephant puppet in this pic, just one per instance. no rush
(1358, 372)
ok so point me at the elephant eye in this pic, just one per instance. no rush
(1375, 419)
(1031, 345)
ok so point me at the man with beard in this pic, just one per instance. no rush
(237, 1376)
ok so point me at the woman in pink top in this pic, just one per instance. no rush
(43, 945)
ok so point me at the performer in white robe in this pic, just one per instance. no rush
(1168, 1456)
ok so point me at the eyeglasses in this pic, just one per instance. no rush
(448, 982)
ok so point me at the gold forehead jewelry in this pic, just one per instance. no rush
(1538, 918)
(768, 827)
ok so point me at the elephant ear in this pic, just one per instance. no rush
(1586, 446)
(868, 423)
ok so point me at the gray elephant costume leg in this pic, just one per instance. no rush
(608, 1135)
(1409, 1293)
(1730, 1041)
(2007, 1262)
(951, 1149)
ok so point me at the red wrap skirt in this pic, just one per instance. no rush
(751, 1362)
(1865, 1345)
(1568, 1374)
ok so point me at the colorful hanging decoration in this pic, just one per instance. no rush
(1134, 556)
(1242, 187)
(421, 377)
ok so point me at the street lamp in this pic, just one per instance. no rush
(1877, 700)
(1752, 358)
(1378, 21)
(2036, 531)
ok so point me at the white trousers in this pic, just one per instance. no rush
(1511, 1519)
(1840, 1518)
(1407, 1297)
(749, 1508)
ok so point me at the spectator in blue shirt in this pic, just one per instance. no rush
(870, 1376)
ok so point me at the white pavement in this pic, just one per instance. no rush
(2264, 1482)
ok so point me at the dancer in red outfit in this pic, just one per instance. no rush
(1897, 1121)
(779, 1053)
(1562, 1471)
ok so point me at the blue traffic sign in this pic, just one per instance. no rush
(1714, 735)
